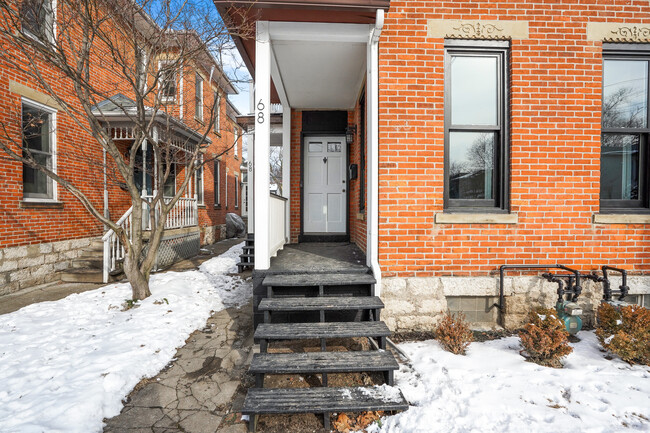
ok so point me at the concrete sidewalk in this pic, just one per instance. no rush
(59, 290)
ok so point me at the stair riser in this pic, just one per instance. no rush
(86, 277)
(92, 264)
(351, 290)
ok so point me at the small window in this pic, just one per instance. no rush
(624, 160)
(217, 113)
(198, 97)
(168, 81)
(216, 180)
(38, 142)
(236, 145)
(199, 182)
(476, 137)
(169, 188)
(236, 191)
(37, 19)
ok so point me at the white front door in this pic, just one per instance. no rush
(325, 189)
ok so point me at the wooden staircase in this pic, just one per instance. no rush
(321, 306)
(248, 256)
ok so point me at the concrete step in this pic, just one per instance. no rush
(82, 275)
(83, 262)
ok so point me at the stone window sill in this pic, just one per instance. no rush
(600, 218)
(477, 218)
(26, 204)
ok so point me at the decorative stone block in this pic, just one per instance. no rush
(477, 29)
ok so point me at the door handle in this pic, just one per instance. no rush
(325, 160)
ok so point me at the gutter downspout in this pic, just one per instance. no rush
(373, 181)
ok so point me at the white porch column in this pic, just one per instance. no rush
(286, 167)
(372, 101)
(262, 143)
(251, 177)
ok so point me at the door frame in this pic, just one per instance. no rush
(315, 237)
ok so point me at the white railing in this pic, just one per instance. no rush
(185, 213)
(277, 215)
(113, 248)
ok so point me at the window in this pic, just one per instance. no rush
(216, 179)
(476, 135)
(217, 114)
(642, 300)
(141, 69)
(199, 181)
(168, 81)
(169, 188)
(226, 188)
(625, 133)
(37, 19)
(236, 190)
(236, 145)
(198, 97)
(39, 143)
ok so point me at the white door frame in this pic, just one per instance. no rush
(345, 185)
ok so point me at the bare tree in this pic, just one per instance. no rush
(102, 60)
(275, 165)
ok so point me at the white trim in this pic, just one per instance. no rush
(199, 115)
(236, 190)
(53, 146)
(262, 144)
(166, 99)
(226, 185)
(180, 92)
(318, 32)
(372, 111)
(286, 166)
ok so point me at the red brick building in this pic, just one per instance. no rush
(45, 232)
(482, 134)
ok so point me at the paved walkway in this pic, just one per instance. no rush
(202, 389)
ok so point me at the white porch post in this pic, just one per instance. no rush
(372, 111)
(262, 142)
(286, 167)
(251, 179)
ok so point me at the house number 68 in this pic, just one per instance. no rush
(260, 114)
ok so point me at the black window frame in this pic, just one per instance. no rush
(618, 51)
(501, 175)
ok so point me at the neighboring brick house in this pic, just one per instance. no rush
(483, 134)
(44, 230)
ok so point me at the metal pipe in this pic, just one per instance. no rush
(624, 289)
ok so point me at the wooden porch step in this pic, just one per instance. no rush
(322, 362)
(324, 303)
(247, 255)
(315, 280)
(299, 331)
(321, 400)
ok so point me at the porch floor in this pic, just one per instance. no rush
(319, 257)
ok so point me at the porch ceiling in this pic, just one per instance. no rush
(321, 66)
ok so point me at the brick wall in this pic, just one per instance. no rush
(555, 144)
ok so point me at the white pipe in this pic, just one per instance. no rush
(373, 149)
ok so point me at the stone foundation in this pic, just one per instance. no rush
(30, 265)
(419, 303)
(212, 234)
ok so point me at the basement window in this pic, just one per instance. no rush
(624, 160)
(476, 134)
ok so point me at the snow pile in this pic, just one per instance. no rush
(388, 394)
(493, 389)
(66, 365)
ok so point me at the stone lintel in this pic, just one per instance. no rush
(621, 218)
(32, 94)
(477, 29)
(618, 32)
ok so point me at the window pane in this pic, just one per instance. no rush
(36, 129)
(619, 167)
(315, 147)
(333, 147)
(625, 93)
(36, 184)
(169, 188)
(471, 165)
(474, 89)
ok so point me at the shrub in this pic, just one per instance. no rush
(545, 338)
(453, 333)
(625, 331)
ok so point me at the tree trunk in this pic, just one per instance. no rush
(139, 282)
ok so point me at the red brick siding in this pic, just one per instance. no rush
(555, 108)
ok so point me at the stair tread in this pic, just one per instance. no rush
(319, 400)
(323, 362)
(293, 280)
(292, 331)
(320, 303)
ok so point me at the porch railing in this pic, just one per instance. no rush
(183, 214)
(277, 215)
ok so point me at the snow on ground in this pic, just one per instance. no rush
(493, 389)
(66, 365)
